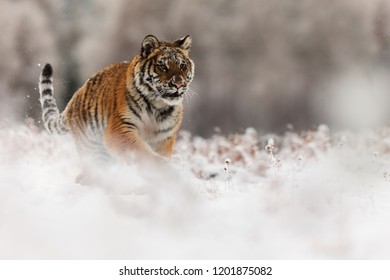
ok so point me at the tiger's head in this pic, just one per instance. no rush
(165, 69)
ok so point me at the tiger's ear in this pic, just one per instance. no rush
(148, 45)
(184, 43)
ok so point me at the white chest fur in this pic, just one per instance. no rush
(153, 128)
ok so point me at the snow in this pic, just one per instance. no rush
(315, 194)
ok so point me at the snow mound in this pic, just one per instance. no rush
(309, 195)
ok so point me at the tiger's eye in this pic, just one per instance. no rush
(183, 66)
(162, 67)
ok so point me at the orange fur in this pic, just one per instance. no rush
(128, 108)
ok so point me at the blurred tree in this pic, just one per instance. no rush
(26, 38)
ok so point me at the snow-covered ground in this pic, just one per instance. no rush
(309, 195)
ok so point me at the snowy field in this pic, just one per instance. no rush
(310, 195)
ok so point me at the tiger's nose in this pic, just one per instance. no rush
(178, 81)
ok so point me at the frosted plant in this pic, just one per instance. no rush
(274, 161)
(229, 182)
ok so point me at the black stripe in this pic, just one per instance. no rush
(125, 118)
(149, 87)
(81, 110)
(148, 104)
(96, 79)
(135, 112)
(46, 81)
(145, 67)
(165, 130)
(115, 105)
(84, 112)
(88, 85)
(128, 123)
(129, 97)
(49, 126)
(149, 70)
(142, 83)
(96, 115)
(49, 112)
(49, 103)
(47, 91)
(164, 114)
(102, 118)
(130, 101)
(62, 123)
(142, 72)
(47, 70)
(137, 101)
(91, 117)
(76, 105)
(70, 111)
(55, 124)
(146, 84)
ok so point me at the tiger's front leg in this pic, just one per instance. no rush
(123, 141)
(165, 148)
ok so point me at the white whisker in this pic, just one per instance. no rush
(189, 94)
(192, 92)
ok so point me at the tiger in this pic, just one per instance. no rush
(128, 109)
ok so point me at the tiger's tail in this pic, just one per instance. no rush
(53, 121)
